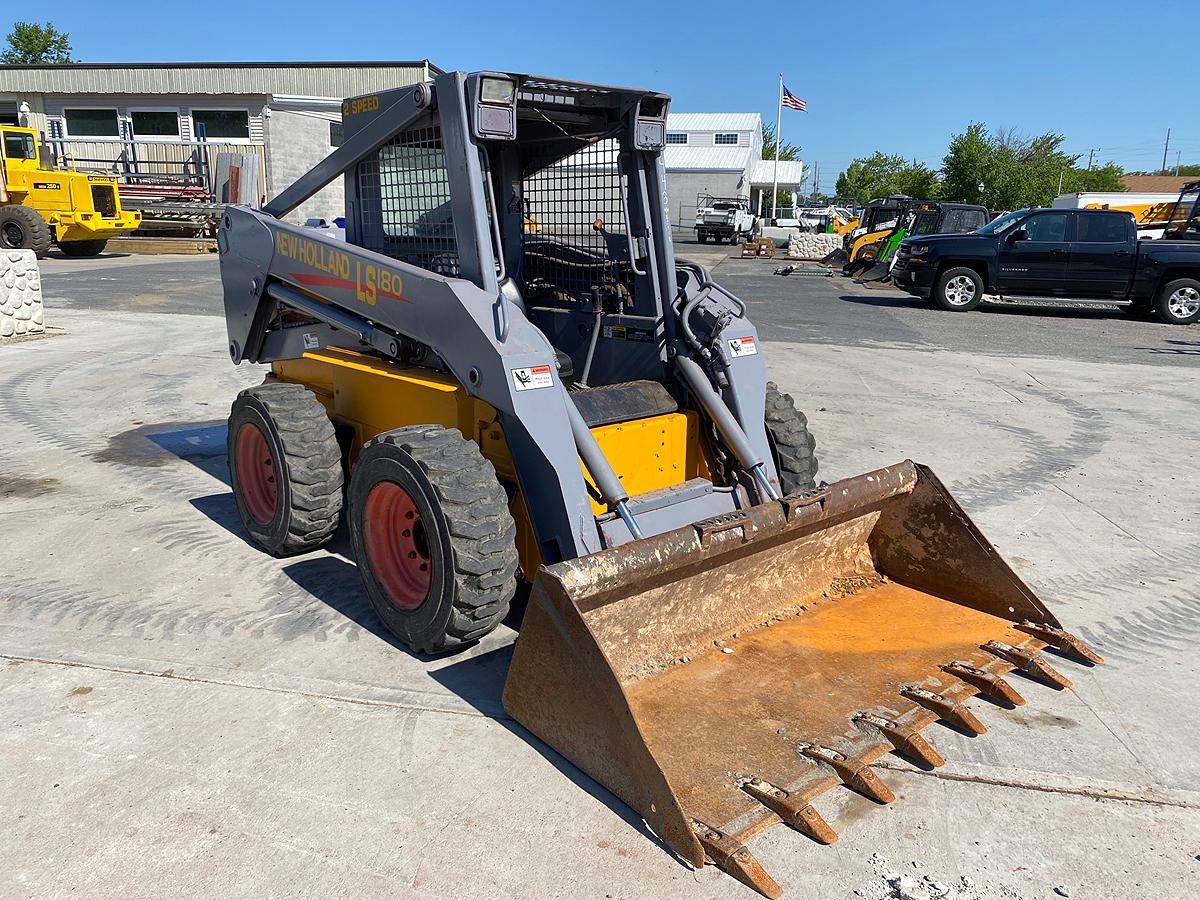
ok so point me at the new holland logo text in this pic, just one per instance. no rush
(335, 268)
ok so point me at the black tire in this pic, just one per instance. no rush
(792, 444)
(734, 239)
(22, 228)
(1178, 302)
(82, 248)
(466, 537)
(302, 467)
(951, 294)
(702, 237)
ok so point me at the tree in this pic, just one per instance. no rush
(873, 176)
(967, 164)
(786, 151)
(1107, 177)
(881, 174)
(32, 44)
(1007, 170)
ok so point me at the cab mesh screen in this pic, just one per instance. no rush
(574, 223)
(404, 197)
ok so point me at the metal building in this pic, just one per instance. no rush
(720, 155)
(164, 126)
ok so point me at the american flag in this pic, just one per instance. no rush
(791, 101)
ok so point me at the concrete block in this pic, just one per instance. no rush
(20, 294)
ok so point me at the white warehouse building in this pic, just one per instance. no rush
(720, 155)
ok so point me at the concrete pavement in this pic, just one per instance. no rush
(186, 716)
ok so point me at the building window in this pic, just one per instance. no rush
(92, 122)
(676, 137)
(729, 137)
(151, 123)
(222, 124)
(337, 134)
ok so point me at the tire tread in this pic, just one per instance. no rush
(482, 531)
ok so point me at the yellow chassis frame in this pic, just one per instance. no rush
(366, 396)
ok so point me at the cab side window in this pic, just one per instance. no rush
(1049, 227)
(19, 146)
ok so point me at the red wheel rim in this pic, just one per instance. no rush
(397, 546)
(256, 473)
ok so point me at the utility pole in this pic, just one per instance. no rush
(1091, 155)
(1166, 147)
(1178, 153)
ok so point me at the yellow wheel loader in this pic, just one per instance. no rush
(41, 206)
(710, 633)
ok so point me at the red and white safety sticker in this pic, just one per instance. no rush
(743, 346)
(532, 377)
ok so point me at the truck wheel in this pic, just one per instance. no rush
(1178, 302)
(285, 466)
(22, 228)
(734, 238)
(433, 537)
(82, 248)
(958, 290)
(792, 445)
(702, 237)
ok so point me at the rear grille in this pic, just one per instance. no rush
(104, 200)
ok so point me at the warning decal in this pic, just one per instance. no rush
(742, 347)
(311, 341)
(532, 377)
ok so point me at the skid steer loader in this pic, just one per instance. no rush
(710, 634)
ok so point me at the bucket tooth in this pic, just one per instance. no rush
(734, 858)
(1063, 640)
(905, 739)
(988, 684)
(856, 775)
(1029, 663)
(947, 709)
(795, 811)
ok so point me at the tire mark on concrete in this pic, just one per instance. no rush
(1042, 459)
(289, 611)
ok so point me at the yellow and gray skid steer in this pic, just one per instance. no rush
(710, 633)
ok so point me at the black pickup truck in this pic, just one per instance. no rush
(1087, 255)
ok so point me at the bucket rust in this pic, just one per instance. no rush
(720, 677)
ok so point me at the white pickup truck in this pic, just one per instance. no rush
(725, 218)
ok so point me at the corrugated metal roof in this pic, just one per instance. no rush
(320, 79)
(713, 121)
(763, 171)
(731, 159)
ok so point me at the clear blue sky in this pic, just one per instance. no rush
(899, 77)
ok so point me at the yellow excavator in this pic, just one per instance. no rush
(42, 206)
(711, 633)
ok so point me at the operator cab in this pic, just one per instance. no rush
(567, 205)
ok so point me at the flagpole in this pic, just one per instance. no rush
(778, 141)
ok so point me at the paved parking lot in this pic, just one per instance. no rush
(185, 716)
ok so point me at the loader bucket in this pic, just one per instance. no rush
(877, 271)
(834, 259)
(720, 677)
